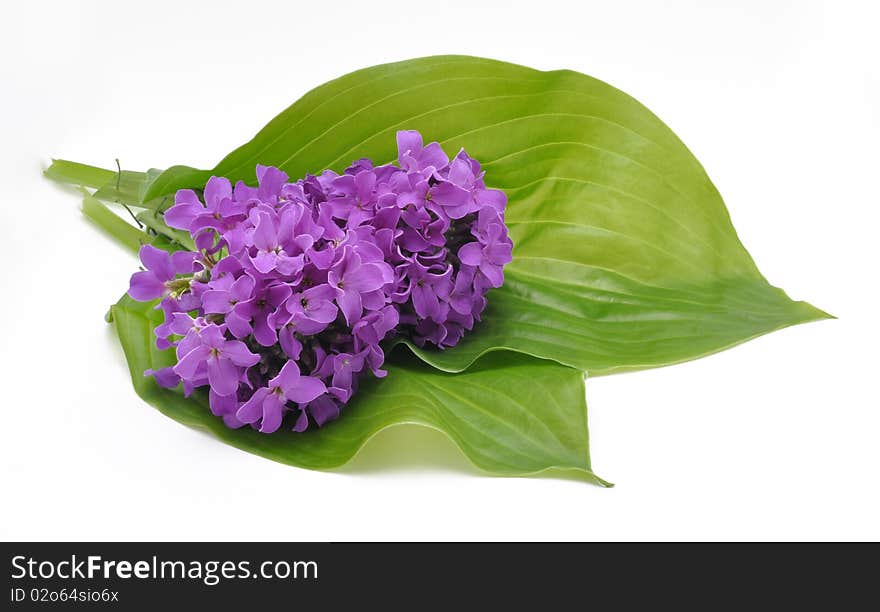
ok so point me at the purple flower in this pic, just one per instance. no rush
(270, 253)
(413, 157)
(271, 180)
(165, 377)
(223, 361)
(491, 252)
(161, 269)
(219, 212)
(171, 307)
(370, 331)
(222, 301)
(430, 291)
(314, 275)
(354, 199)
(322, 409)
(464, 299)
(314, 305)
(267, 404)
(352, 279)
(345, 366)
(449, 198)
(443, 198)
(253, 315)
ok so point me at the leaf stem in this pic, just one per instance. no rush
(124, 205)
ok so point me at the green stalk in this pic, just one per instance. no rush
(124, 187)
(155, 222)
(119, 229)
(82, 175)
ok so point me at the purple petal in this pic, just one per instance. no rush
(322, 311)
(265, 261)
(289, 343)
(145, 287)
(237, 324)
(460, 173)
(302, 422)
(322, 259)
(493, 198)
(217, 189)
(222, 404)
(350, 304)
(232, 422)
(188, 365)
(499, 253)
(271, 180)
(263, 332)
(471, 254)
(324, 409)
(264, 237)
(287, 377)
(273, 413)
(186, 208)
(408, 142)
(222, 375)
(181, 323)
(462, 303)
(368, 277)
(365, 182)
(277, 294)
(252, 410)
(216, 302)
(413, 241)
(373, 300)
(242, 289)
(165, 377)
(157, 261)
(212, 336)
(183, 262)
(451, 196)
(306, 326)
(239, 354)
(306, 389)
(204, 240)
(342, 374)
(425, 301)
(288, 266)
(494, 273)
(433, 156)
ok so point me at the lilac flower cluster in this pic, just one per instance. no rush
(294, 285)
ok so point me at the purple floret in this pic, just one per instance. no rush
(295, 285)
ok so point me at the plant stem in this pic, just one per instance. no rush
(122, 231)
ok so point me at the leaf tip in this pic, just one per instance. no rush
(603, 483)
(815, 314)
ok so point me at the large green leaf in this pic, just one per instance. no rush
(512, 416)
(625, 256)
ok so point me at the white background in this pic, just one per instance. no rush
(775, 439)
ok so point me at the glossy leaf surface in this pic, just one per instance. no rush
(513, 416)
(625, 256)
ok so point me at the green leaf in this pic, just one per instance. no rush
(512, 416)
(125, 187)
(625, 256)
(74, 173)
